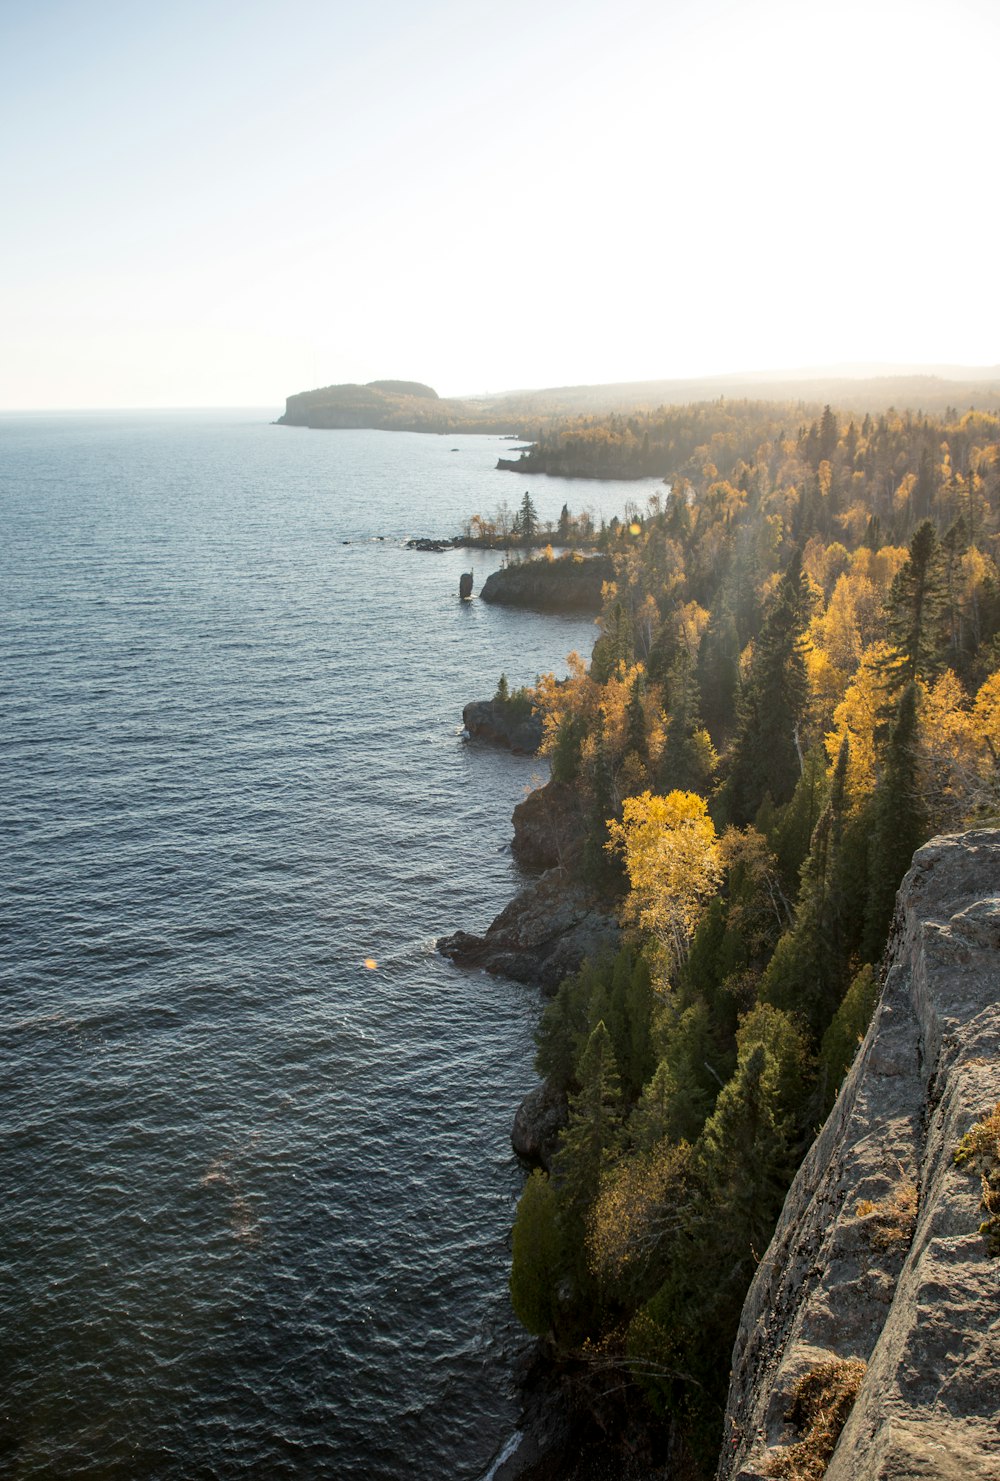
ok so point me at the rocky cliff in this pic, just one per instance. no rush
(504, 723)
(878, 1286)
(570, 584)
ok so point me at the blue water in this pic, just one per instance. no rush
(256, 1194)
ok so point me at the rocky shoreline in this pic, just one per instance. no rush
(572, 1428)
(504, 723)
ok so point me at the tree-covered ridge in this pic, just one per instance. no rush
(400, 405)
(387, 404)
(680, 440)
(796, 682)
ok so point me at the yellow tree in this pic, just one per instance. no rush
(857, 716)
(574, 698)
(959, 749)
(671, 858)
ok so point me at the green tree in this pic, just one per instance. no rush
(766, 752)
(845, 1031)
(808, 971)
(537, 1256)
(592, 1136)
(527, 518)
(915, 603)
(898, 825)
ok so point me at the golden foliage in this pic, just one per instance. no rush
(893, 1218)
(979, 1150)
(642, 1201)
(857, 716)
(672, 861)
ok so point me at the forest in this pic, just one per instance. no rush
(796, 682)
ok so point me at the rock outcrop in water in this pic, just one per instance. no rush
(542, 936)
(504, 723)
(549, 828)
(877, 1278)
(555, 922)
(569, 584)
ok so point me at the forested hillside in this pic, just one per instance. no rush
(796, 682)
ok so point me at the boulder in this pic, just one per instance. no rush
(538, 1121)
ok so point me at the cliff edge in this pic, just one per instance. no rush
(877, 1284)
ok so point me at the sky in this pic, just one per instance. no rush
(220, 203)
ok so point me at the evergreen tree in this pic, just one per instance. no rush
(639, 1004)
(846, 1030)
(688, 757)
(766, 751)
(635, 724)
(537, 1256)
(808, 971)
(915, 603)
(527, 518)
(719, 671)
(592, 1134)
(898, 824)
(615, 646)
(749, 1144)
(588, 1146)
(828, 435)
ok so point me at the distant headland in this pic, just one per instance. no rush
(392, 406)
(412, 406)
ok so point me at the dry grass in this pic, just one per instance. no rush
(979, 1150)
(821, 1401)
(895, 1217)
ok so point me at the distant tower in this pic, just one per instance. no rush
(465, 585)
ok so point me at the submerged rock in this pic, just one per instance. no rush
(878, 1259)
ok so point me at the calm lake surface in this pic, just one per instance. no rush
(257, 1195)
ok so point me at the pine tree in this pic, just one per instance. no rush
(537, 1263)
(527, 518)
(898, 824)
(766, 751)
(915, 603)
(588, 1146)
(592, 1134)
(688, 757)
(808, 971)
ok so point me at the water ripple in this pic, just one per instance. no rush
(257, 1194)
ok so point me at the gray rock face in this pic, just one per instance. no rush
(538, 1121)
(564, 585)
(504, 724)
(548, 827)
(542, 936)
(877, 1254)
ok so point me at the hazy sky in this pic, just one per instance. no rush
(221, 203)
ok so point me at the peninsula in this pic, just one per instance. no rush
(795, 685)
